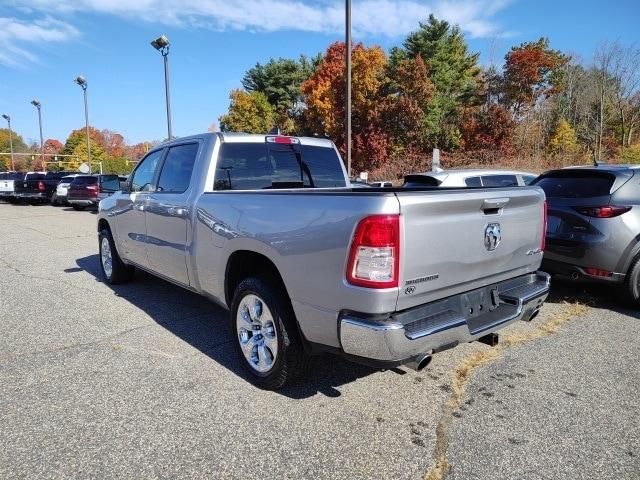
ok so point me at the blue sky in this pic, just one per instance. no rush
(44, 44)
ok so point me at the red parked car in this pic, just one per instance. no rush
(87, 190)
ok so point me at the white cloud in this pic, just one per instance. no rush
(18, 38)
(389, 18)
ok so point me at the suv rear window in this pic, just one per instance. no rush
(255, 166)
(85, 180)
(499, 181)
(576, 186)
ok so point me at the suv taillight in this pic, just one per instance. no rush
(41, 186)
(606, 211)
(374, 258)
(543, 241)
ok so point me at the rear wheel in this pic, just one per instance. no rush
(267, 340)
(54, 200)
(114, 269)
(631, 289)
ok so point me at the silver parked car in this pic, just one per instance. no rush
(269, 227)
(470, 178)
(594, 224)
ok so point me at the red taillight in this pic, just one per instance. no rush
(598, 272)
(93, 188)
(283, 140)
(41, 186)
(543, 241)
(374, 259)
(606, 211)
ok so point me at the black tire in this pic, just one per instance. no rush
(54, 200)
(78, 207)
(120, 272)
(631, 289)
(291, 361)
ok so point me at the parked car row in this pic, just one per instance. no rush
(58, 188)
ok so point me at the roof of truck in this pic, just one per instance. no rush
(240, 137)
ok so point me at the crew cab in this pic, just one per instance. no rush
(38, 187)
(269, 227)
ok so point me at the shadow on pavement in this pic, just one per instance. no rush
(212, 336)
(598, 295)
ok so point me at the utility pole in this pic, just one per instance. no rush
(8, 119)
(162, 45)
(80, 80)
(37, 104)
(348, 83)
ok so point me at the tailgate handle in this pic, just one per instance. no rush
(492, 206)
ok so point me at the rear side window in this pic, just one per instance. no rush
(34, 176)
(576, 186)
(177, 169)
(528, 179)
(472, 182)
(254, 166)
(499, 181)
(109, 183)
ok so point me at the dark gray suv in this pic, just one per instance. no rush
(593, 224)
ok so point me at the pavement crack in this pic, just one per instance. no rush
(462, 373)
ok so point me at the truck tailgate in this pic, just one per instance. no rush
(449, 240)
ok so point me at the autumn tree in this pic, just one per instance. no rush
(324, 95)
(248, 112)
(280, 80)
(76, 145)
(532, 70)
(452, 69)
(563, 140)
(409, 96)
(5, 146)
(113, 143)
(489, 129)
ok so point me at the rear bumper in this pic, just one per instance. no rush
(575, 271)
(83, 202)
(32, 195)
(403, 336)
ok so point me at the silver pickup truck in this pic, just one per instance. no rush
(269, 227)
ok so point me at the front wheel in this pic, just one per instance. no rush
(267, 341)
(114, 269)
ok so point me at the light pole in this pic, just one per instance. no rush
(80, 80)
(348, 83)
(37, 104)
(8, 119)
(162, 45)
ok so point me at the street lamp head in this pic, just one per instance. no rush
(35, 103)
(160, 43)
(6, 117)
(80, 80)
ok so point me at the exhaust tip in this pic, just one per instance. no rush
(574, 276)
(420, 362)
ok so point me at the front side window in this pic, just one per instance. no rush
(143, 176)
(177, 169)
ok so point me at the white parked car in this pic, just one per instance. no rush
(470, 178)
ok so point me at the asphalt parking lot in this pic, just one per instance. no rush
(140, 380)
